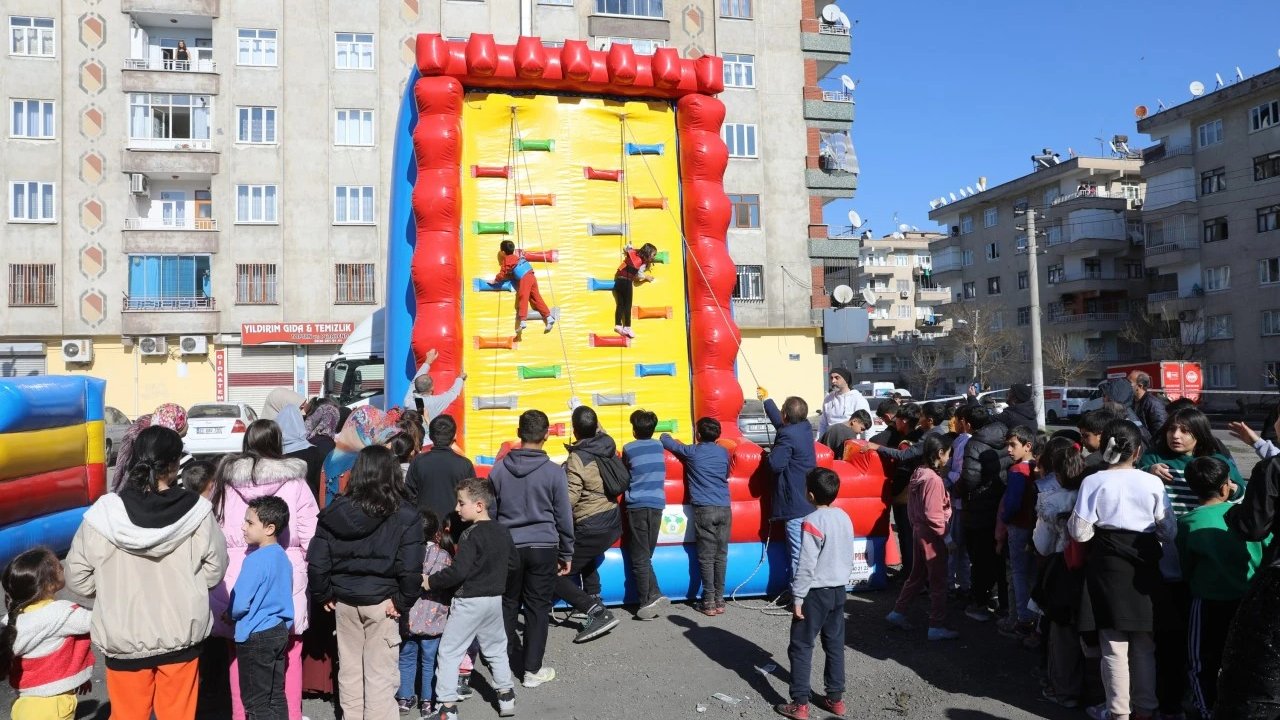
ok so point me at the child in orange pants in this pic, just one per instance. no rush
(516, 269)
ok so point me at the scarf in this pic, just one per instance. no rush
(279, 399)
(293, 429)
(323, 421)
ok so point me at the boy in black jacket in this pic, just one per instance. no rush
(479, 571)
(981, 485)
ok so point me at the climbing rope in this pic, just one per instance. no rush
(497, 316)
(624, 243)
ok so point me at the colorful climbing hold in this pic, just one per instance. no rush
(667, 426)
(651, 369)
(494, 402)
(493, 228)
(530, 145)
(482, 285)
(595, 284)
(495, 343)
(525, 200)
(611, 340)
(639, 203)
(597, 229)
(639, 149)
(651, 313)
(594, 174)
(532, 372)
(482, 171)
(606, 399)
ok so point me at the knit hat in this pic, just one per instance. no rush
(842, 372)
(1020, 393)
(1118, 390)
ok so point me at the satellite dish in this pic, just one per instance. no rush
(934, 204)
(915, 229)
(855, 220)
(849, 84)
(844, 19)
(898, 236)
(1140, 111)
(868, 297)
(953, 197)
(1218, 77)
(904, 227)
(1196, 87)
(1239, 74)
(843, 294)
(970, 189)
(831, 13)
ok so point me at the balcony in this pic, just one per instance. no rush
(826, 42)
(1099, 322)
(1172, 303)
(179, 225)
(169, 315)
(1160, 158)
(830, 178)
(1090, 280)
(170, 156)
(834, 106)
(160, 75)
(1093, 198)
(846, 248)
(190, 235)
(206, 8)
(1172, 253)
(932, 295)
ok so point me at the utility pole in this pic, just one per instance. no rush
(1037, 356)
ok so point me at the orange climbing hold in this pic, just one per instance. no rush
(495, 343)
(639, 203)
(525, 200)
(652, 313)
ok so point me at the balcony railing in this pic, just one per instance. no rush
(1162, 151)
(933, 293)
(1167, 246)
(1093, 193)
(1085, 317)
(168, 304)
(839, 96)
(1082, 277)
(832, 28)
(182, 144)
(170, 65)
(202, 224)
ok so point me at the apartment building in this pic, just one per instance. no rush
(198, 189)
(1212, 217)
(1091, 271)
(895, 272)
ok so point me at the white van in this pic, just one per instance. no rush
(1061, 403)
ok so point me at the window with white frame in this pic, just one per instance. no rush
(1213, 181)
(1024, 280)
(1131, 189)
(901, 260)
(634, 8)
(966, 224)
(353, 127)
(1271, 322)
(993, 251)
(641, 46)
(1268, 218)
(740, 139)
(904, 286)
(256, 47)
(31, 119)
(1264, 116)
(737, 9)
(353, 51)
(256, 125)
(1269, 271)
(1221, 375)
(1216, 229)
(1210, 133)
(970, 290)
(966, 257)
(1050, 194)
(904, 311)
(1219, 327)
(32, 201)
(1217, 278)
(739, 70)
(31, 36)
(750, 284)
(567, 3)
(353, 205)
(164, 116)
(1270, 373)
(991, 217)
(257, 204)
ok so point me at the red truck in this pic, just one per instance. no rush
(1173, 378)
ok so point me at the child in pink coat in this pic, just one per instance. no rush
(264, 470)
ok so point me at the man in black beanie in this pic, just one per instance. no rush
(1021, 409)
(841, 402)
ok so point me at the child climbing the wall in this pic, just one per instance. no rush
(633, 270)
(516, 269)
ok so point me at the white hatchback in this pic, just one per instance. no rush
(217, 428)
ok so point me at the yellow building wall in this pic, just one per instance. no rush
(137, 384)
(786, 361)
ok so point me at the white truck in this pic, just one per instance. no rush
(356, 375)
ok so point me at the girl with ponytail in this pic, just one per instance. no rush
(1123, 514)
(44, 642)
(1061, 466)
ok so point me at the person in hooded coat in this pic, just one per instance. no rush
(981, 485)
(279, 399)
(1021, 409)
(264, 470)
(169, 415)
(294, 442)
(322, 425)
(148, 556)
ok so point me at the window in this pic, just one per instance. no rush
(31, 119)
(970, 290)
(739, 9)
(741, 140)
(993, 251)
(1024, 280)
(256, 204)
(353, 284)
(1134, 270)
(966, 224)
(638, 8)
(739, 70)
(746, 210)
(1270, 322)
(256, 47)
(1053, 235)
(31, 201)
(353, 51)
(1055, 274)
(1266, 166)
(993, 286)
(1217, 278)
(31, 36)
(902, 261)
(1222, 375)
(1024, 315)
(1268, 218)
(1219, 327)
(1215, 229)
(32, 285)
(1131, 189)
(641, 46)
(169, 282)
(997, 320)
(1210, 133)
(904, 286)
(256, 284)
(353, 205)
(1270, 371)
(1269, 271)
(990, 217)
(556, 2)
(966, 258)
(161, 116)
(904, 311)
(1051, 194)
(353, 127)
(750, 285)
(256, 125)
(1212, 181)
(1264, 116)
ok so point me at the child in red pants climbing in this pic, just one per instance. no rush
(634, 269)
(516, 268)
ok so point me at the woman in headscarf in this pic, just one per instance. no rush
(279, 399)
(367, 426)
(169, 415)
(293, 431)
(322, 425)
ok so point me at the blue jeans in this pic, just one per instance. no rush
(794, 536)
(1022, 558)
(417, 663)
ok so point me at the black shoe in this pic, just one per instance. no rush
(464, 687)
(600, 620)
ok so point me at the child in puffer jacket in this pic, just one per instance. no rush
(420, 633)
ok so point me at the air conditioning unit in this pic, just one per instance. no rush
(904, 295)
(1186, 315)
(153, 345)
(138, 184)
(194, 344)
(77, 351)
(1137, 204)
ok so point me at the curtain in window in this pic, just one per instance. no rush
(139, 117)
(200, 118)
(366, 205)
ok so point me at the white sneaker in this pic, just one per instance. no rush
(551, 319)
(628, 332)
(620, 330)
(545, 675)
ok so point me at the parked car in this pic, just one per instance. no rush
(116, 424)
(1061, 403)
(754, 423)
(217, 428)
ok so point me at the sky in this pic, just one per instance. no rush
(949, 91)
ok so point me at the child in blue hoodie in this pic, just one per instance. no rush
(646, 499)
(706, 475)
(792, 457)
(262, 608)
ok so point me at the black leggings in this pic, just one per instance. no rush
(622, 294)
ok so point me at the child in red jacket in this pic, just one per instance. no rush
(516, 269)
(634, 269)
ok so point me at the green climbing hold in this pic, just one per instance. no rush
(667, 426)
(528, 372)
(494, 228)
(523, 145)
(663, 257)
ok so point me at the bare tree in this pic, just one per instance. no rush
(979, 335)
(1064, 365)
(1165, 338)
(925, 368)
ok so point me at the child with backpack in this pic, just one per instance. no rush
(515, 268)
(706, 475)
